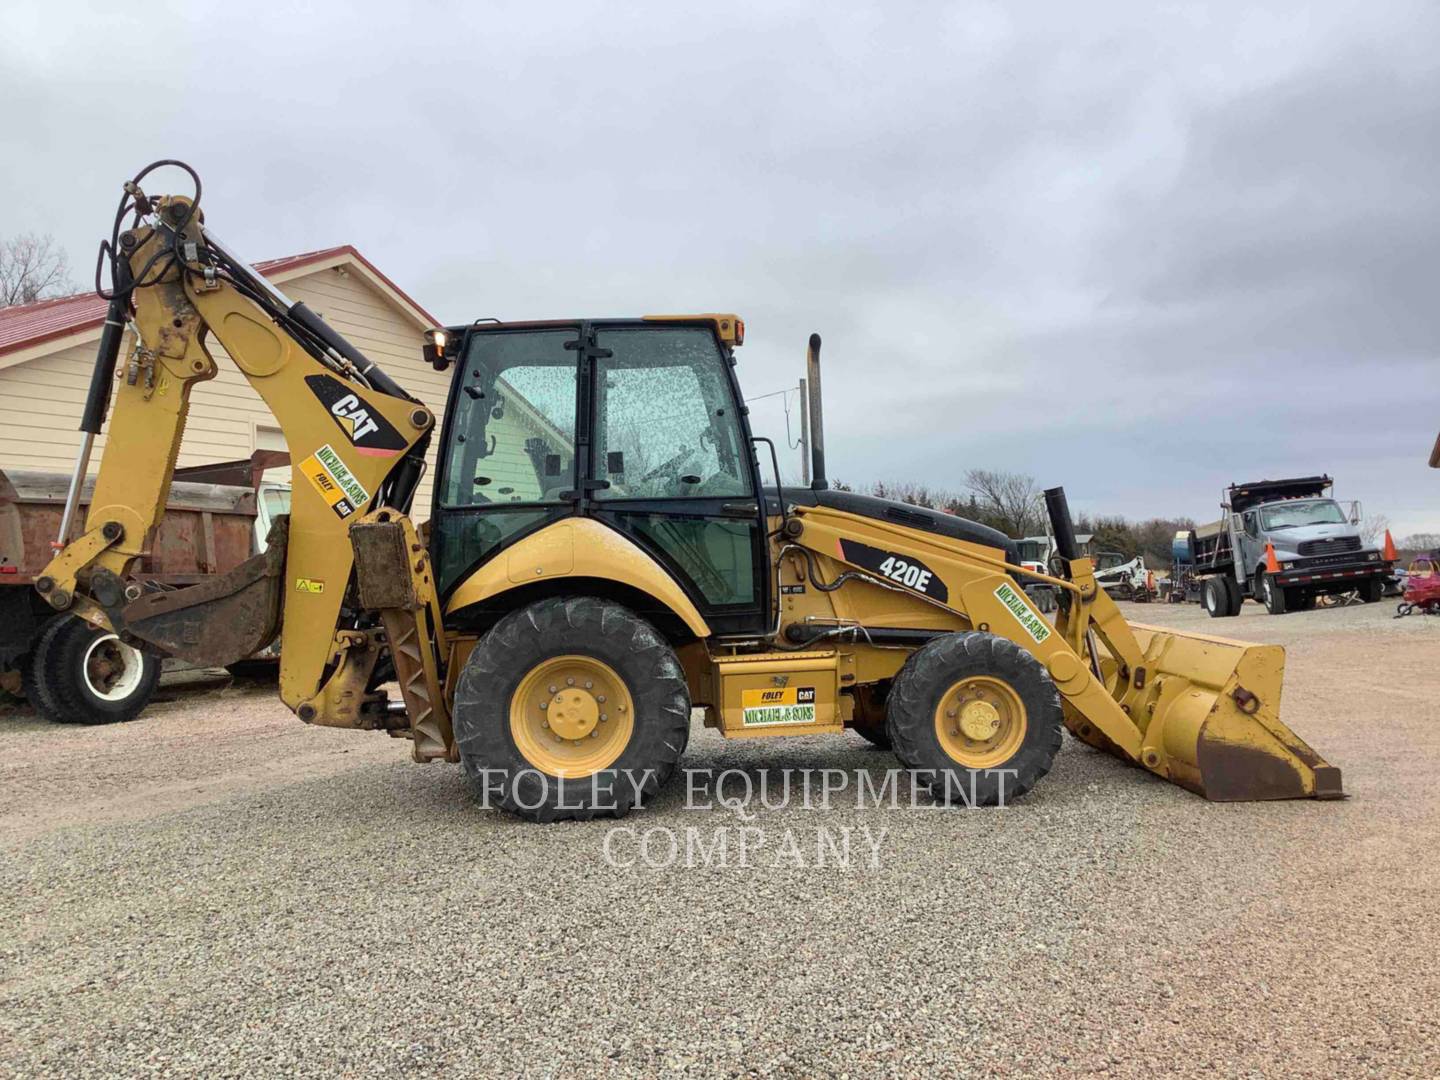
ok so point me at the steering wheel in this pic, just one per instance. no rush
(671, 466)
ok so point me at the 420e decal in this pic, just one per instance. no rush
(901, 569)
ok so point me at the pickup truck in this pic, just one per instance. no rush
(1283, 543)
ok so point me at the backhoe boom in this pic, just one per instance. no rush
(356, 443)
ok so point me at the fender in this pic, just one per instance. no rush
(577, 547)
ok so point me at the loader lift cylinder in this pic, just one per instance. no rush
(818, 480)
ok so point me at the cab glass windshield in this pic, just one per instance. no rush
(1309, 512)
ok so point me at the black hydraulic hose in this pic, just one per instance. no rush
(367, 367)
(848, 575)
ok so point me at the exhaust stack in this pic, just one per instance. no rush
(817, 416)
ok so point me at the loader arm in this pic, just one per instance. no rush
(1203, 712)
(356, 444)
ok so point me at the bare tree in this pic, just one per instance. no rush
(32, 267)
(1008, 499)
(1420, 542)
(1372, 528)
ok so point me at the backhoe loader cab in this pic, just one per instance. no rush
(603, 557)
(636, 425)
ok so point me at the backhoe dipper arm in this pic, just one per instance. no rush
(356, 444)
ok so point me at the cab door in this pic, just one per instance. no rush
(672, 466)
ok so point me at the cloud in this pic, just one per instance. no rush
(1139, 251)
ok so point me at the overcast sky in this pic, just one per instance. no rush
(1141, 250)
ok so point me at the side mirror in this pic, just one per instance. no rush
(435, 349)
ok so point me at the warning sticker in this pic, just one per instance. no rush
(310, 585)
(1029, 621)
(333, 479)
(783, 705)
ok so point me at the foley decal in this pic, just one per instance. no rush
(1030, 622)
(370, 432)
(786, 705)
(334, 481)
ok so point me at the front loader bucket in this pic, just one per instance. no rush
(1210, 712)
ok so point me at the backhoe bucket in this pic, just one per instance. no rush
(1213, 712)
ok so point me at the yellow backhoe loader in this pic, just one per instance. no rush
(603, 555)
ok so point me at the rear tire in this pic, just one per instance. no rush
(551, 661)
(1371, 590)
(1237, 598)
(1218, 597)
(87, 676)
(37, 695)
(979, 713)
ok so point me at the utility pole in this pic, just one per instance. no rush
(804, 435)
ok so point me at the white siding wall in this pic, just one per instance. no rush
(41, 399)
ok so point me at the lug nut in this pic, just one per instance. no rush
(569, 682)
(594, 734)
(545, 723)
(588, 684)
(553, 689)
(603, 717)
(601, 699)
(558, 739)
(544, 705)
(954, 731)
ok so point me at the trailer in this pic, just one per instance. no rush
(1283, 543)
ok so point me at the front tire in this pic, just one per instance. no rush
(1271, 595)
(570, 708)
(979, 713)
(1371, 590)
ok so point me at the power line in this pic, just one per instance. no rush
(774, 393)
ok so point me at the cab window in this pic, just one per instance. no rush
(512, 436)
(666, 422)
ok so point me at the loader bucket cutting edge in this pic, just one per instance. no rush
(1213, 708)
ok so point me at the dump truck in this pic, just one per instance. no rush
(1034, 553)
(1283, 543)
(216, 518)
(604, 555)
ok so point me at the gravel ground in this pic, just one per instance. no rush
(218, 889)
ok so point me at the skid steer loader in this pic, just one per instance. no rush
(603, 556)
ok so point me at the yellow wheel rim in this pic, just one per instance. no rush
(572, 716)
(980, 722)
